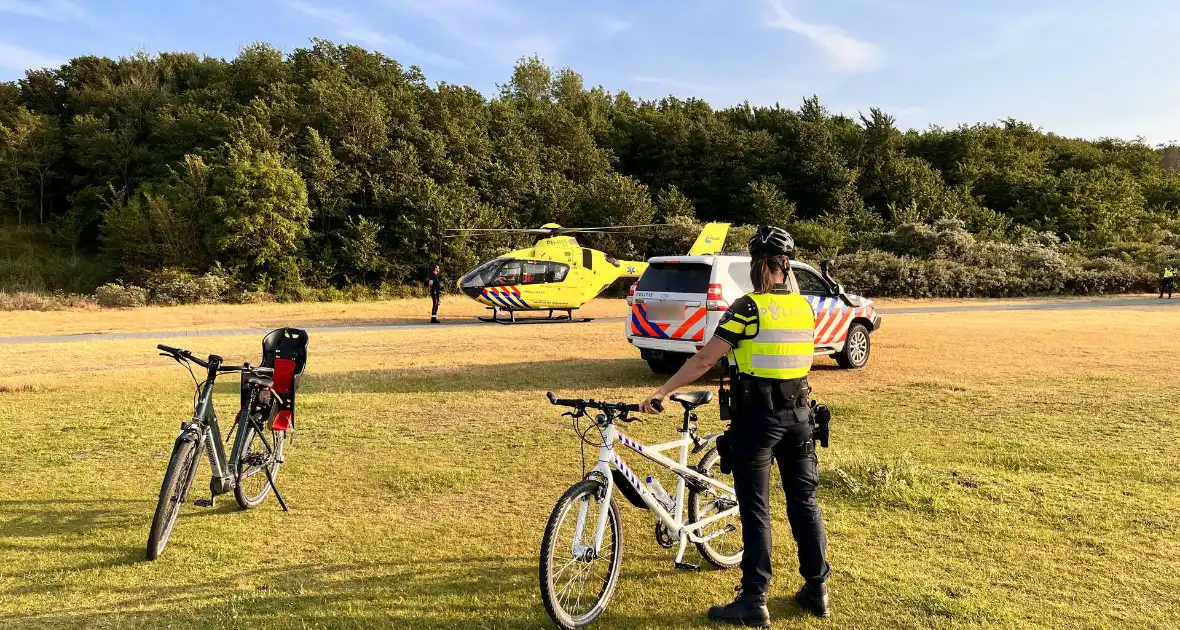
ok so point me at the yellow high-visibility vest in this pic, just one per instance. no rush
(785, 343)
(1167, 272)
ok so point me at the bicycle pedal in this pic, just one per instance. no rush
(684, 566)
(203, 503)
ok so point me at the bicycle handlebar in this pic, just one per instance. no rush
(178, 354)
(582, 405)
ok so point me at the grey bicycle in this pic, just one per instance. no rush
(265, 418)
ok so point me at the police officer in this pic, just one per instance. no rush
(1167, 282)
(434, 283)
(768, 338)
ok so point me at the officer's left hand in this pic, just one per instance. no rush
(648, 407)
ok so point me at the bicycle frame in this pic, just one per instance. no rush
(205, 431)
(608, 456)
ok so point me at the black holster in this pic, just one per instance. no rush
(821, 418)
(723, 453)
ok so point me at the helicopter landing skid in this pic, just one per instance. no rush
(567, 318)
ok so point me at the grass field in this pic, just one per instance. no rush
(308, 314)
(1006, 469)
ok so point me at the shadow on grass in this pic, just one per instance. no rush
(455, 592)
(568, 375)
(64, 517)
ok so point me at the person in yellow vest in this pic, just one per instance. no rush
(767, 338)
(1167, 282)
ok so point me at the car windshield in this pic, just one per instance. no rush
(483, 275)
(667, 277)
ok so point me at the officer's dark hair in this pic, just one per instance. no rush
(763, 272)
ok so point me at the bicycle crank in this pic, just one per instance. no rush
(663, 536)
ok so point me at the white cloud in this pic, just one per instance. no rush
(352, 27)
(54, 10)
(613, 26)
(14, 57)
(845, 52)
(492, 27)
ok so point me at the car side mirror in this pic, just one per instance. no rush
(839, 289)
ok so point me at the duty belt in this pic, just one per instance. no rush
(759, 394)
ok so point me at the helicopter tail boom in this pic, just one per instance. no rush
(711, 240)
(631, 268)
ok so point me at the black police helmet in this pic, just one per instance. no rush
(770, 242)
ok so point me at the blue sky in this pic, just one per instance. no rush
(1076, 67)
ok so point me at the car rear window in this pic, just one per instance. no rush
(676, 278)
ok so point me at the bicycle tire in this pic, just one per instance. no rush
(278, 440)
(550, 596)
(709, 465)
(182, 468)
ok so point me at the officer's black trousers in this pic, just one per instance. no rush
(1166, 284)
(434, 298)
(754, 440)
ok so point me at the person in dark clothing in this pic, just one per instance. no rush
(768, 339)
(1167, 282)
(434, 283)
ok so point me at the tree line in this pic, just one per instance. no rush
(334, 167)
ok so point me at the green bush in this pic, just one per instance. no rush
(29, 263)
(115, 295)
(169, 287)
(944, 260)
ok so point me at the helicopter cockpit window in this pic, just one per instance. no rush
(508, 275)
(483, 275)
(535, 272)
(542, 272)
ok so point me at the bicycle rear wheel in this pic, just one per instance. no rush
(260, 451)
(182, 468)
(576, 582)
(725, 550)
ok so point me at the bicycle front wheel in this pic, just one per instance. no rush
(577, 581)
(261, 451)
(182, 467)
(724, 547)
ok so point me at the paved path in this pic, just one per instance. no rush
(179, 334)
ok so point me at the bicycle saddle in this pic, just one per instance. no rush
(693, 399)
(260, 381)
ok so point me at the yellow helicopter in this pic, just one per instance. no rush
(556, 274)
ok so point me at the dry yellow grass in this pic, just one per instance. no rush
(231, 316)
(1004, 469)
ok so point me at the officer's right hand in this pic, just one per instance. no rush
(653, 404)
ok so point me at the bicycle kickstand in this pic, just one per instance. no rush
(271, 480)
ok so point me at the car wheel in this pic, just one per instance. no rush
(668, 365)
(857, 348)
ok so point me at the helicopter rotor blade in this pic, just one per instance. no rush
(461, 231)
(609, 228)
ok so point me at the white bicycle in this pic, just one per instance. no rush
(583, 545)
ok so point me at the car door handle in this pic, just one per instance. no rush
(640, 301)
(692, 304)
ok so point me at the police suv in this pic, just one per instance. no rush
(679, 300)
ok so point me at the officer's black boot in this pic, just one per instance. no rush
(745, 610)
(813, 598)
